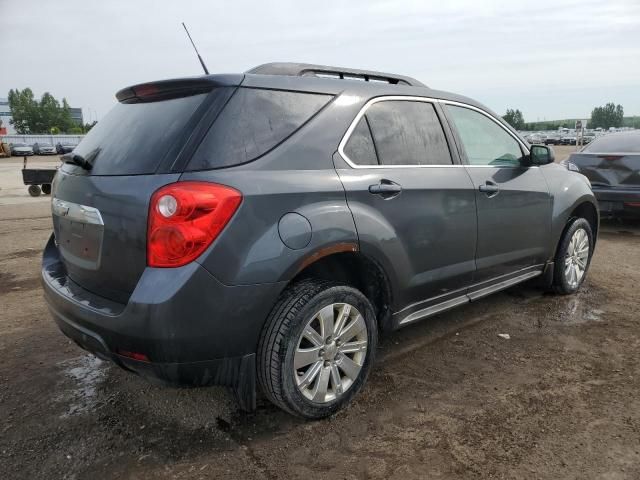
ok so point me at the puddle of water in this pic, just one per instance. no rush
(593, 315)
(86, 373)
(577, 312)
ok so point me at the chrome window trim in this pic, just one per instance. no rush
(410, 98)
(501, 166)
(361, 113)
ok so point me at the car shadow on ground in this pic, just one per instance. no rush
(622, 226)
(269, 420)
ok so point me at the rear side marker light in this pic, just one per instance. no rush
(141, 357)
(185, 218)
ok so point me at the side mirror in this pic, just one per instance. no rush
(542, 155)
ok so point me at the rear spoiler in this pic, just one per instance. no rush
(175, 88)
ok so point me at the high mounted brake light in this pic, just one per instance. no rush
(185, 218)
(146, 90)
(167, 89)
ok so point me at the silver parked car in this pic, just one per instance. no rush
(21, 149)
(43, 148)
(535, 139)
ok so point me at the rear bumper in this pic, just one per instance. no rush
(618, 201)
(235, 372)
(194, 330)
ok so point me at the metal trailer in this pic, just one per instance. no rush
(38, 179)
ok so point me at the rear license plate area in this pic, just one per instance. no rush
(79, 230)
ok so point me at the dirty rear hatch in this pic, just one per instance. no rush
(100, 197)
(609, 171)
(611, 162)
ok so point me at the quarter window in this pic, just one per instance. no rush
(360, 148)
(484, 141)
(399, 132)
(254, 122)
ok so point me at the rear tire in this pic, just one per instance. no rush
(317, 348)
(46, 188)
(34, 190)
(573, 257)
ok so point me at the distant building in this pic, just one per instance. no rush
(76, 115)
(5, 116)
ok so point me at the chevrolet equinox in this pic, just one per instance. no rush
(261, 229)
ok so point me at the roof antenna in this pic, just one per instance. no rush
(204, 67)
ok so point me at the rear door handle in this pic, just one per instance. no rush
(386, 189)
(490, 188)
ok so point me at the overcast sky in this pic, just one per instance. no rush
(550, 58)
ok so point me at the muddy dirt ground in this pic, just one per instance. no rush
(449, 398)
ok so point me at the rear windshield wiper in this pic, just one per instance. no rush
(75, 159)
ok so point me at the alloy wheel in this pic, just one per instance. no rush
(330, 352)
(576, 258)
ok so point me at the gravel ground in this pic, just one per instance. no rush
(449, 398)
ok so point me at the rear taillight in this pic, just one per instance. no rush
(184, 218)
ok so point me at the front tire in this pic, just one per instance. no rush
(573, 257)
(317, 348)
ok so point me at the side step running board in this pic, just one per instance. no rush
(466, 298)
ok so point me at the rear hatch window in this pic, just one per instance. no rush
(135, 138)
(615, 143)
(254, 122)
(611, 161)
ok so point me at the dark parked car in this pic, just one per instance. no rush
(42, 148)
(21, 150)
(63, 148)
(263, 228)
(612, 164)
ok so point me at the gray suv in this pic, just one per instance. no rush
(261, 229)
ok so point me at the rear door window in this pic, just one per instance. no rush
(254, 122)
(407, 133)
(133, 138)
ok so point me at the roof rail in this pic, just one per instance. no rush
(324, 71)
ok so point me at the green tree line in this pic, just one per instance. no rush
(633, 122)
(514, 118)
(606, 116)
(47, 115)
(610, 115)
